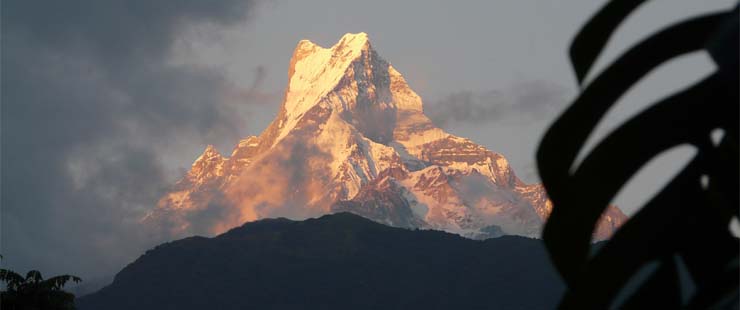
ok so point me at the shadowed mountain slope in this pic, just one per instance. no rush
(339, 261)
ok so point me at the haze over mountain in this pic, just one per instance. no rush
(338, 261)
(351, 135)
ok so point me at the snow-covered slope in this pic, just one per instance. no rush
(351, 135)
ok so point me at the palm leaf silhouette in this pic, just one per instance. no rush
(686, 219)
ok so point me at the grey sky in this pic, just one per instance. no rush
(104, 104)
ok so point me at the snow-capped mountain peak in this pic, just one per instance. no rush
(315, 72)
(351, 135)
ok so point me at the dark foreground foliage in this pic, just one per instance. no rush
(685, 226)
(32, 292)
(339, 261)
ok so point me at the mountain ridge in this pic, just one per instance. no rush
(337, 261)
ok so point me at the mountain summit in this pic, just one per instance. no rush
(351, 136)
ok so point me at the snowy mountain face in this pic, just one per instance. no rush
(352, 136)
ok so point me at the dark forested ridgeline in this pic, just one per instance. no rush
(340, 261)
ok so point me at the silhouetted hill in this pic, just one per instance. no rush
(339, 261)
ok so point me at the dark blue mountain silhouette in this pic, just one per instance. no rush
(339, 261)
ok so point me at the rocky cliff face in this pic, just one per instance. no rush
(352, 136)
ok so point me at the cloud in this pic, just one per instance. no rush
(255, 94)
(292, 177)
(534, 100)
(91, 106)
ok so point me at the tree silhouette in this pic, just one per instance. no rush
(686, 223)
(32, 292)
